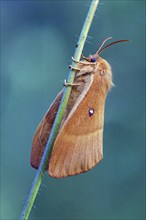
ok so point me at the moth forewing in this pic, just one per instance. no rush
(43, 131)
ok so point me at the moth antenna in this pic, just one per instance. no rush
(108, 38)
(115, 42)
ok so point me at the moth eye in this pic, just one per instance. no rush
(91, 112)
(93, 59)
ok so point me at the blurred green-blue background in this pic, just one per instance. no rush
(38, 39)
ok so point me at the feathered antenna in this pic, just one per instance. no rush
(101, 48)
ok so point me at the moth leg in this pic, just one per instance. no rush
(70, 84)
(87, 70)
(83, 62)
(74, 68)
(85, 58)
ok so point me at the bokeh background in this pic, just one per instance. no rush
(38, 39)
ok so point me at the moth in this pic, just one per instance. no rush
(79, 143)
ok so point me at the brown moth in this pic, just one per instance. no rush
(79, 144)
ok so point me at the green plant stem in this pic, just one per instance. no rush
(40, 172)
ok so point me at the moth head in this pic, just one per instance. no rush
(103, 68)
